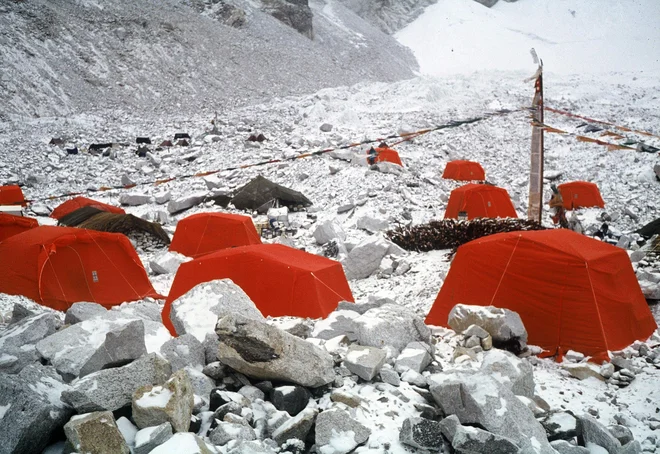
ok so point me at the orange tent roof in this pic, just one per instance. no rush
(203, 233)
(59, 266)
(571, 291)
(78, 202)
(11, 225)
(279, 279)
(11, 195)
(580, 194)
(464, 171)
(386, 155)
(480, 201)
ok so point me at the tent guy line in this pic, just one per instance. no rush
(610, 146)
(404, 136)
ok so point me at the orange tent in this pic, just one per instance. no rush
(571, 291)
(59, 266)
(480, 201)
(78, 202)
(464, 171)
(11, 195)
(279, 279)
(580, 194)
(11, 225)
(383, 154)
(203, 233)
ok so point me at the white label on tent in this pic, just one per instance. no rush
(489, 204)
(95, 277)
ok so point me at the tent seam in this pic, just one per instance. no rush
(505, 270)
(600, 319)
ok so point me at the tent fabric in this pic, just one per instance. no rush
(571, 291)
(280, 280)
(12, 195)
(260, 193)
(580, 194)
(480, 201)
(79, 202)
(204, 233)
(383, 154)
(11, 225)
(59, 266)
(464, 171)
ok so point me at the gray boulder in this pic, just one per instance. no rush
(327, 231)
(149, 438)
(201, 383)
(184, 351)
(95, 432)
(365, 362)
(508, 369)
(487, 3)
(564, 447)
(184, 203)
(449, 426)
(172, 402)
(197, 311)
(31, 409)
(143, 310)
(291, 399)
(120, 347)
(167, 263)
(225, 432)
(134, 199)
(364, 259)
(589, 430)
(389, 375)
(297, 427)
(18, 342)
(560, 426)
(621, 433)
(79, 312)
(334, 423)
(633, 447)
(338, 323)
(481, 400)
(19, 312)
(113, 389)
(71, 348)
(416, 356)
(422, 433)
(472, 439)
(261, 351)
(391, 325)
(505, 326)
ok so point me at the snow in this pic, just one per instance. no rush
(179, 443)
(459, 36)
(128, 430)
(158, 397)
(595, 449)
(340, 443)
(143, 436)
(355, 355)
(3, 410)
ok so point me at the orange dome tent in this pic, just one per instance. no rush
(279, 279)
(11, 195)
(78, 202)
(203, 233)
(480, 201)
(59, 266)
(464, 171)
(580, 194)
(383, 154)
(571, 291)
(11, 225)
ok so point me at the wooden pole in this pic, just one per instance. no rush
(535, 206)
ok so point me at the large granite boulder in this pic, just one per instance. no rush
(184, 351)
(119, 348)
(31, 409)
(505, 326)
(422, 433)
(112, 389)
(149, 438)
(391, 326)
(18, 342)
(333, 425)
(365, 362)
(508, 369)
(197, 311)
(79, 312)
(96, 433)
(261, 351)
(478, 399)
(171, 402)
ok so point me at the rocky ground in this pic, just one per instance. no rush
(382, 381)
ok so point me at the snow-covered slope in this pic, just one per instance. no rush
(586, 36)
(60, 58)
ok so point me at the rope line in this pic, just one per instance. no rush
(404, 136)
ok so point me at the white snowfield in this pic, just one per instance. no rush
(602, 60)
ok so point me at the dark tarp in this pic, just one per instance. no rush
(261, 194)
(650, 229)
(94, 219)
